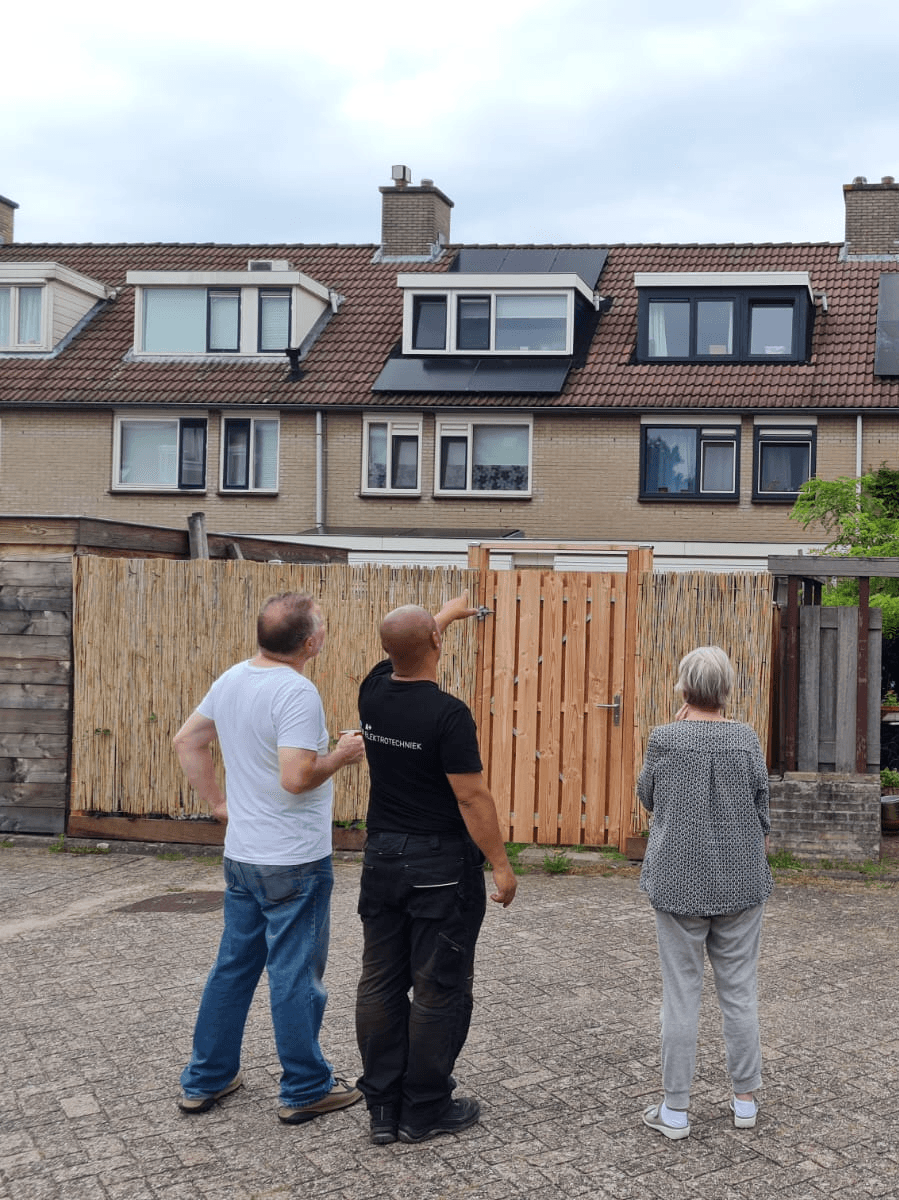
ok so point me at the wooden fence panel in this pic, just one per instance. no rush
(35, 687)
(828, 667)
(555, 756)
(549, 737)
(150, 636)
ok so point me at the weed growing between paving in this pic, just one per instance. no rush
(556, 863)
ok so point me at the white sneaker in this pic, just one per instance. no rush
(744, 1122)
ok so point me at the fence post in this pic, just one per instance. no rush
(196, 529)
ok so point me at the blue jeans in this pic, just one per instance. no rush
(276, 918)
(422, 902)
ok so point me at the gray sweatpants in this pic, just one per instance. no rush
(732, 943)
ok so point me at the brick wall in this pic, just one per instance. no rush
(586, 478)
(826, 816)
(60, 463)
(413, 219)
(7, 213)
(585, 481)
(872, 216)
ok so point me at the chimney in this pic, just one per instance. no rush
(7, 210)
(872, 216)
(415, 221)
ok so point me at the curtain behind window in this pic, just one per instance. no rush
(29, 316)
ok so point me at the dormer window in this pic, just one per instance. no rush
(501, 320)
(20, 317)
(752, 316)
(495, 321)
(41, 303)
(230, 313)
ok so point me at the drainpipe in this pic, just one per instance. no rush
(319, 472)
(858, 445)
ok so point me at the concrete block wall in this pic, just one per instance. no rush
(826, 816)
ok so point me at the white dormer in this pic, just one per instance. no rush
(41, 303)
(501, 313)
(262, 311)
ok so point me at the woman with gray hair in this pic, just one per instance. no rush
(707, 877)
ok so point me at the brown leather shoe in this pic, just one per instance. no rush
(341, 1095)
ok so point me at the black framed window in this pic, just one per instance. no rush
(783, 459)
(690, 462)
(250, 454)
(736, 325)
(429, 323)
(473, 323)
(164, 453)
(392, 456)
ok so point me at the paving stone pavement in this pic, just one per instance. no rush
(97, 1007)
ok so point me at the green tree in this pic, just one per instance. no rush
(860, 517)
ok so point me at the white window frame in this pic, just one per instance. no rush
(463, 426)
(452, 287)
(452, 310)
(405, 426)
(308, 300)
(251, 488)
(130, 418)
(14, 345)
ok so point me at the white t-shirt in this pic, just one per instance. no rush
(256, 710)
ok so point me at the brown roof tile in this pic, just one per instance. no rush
(349, 354)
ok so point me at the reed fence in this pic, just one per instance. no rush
(678, 611)
(150, 636)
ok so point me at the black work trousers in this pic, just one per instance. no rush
(422, 902)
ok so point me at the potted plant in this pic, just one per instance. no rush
(889, 806)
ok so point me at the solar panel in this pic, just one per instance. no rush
(521, 260)
(886, 352)
(509, 376)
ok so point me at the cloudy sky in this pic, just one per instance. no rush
(544, 120)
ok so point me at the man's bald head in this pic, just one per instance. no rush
(407, 635)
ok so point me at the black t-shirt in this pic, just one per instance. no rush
(415, 735)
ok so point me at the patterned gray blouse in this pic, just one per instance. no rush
(707, 786)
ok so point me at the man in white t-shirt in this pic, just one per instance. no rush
(268, 720)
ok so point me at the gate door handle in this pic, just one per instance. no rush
(616, 707)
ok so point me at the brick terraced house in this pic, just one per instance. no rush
(673, 394)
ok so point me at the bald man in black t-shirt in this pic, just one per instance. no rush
(431, 821)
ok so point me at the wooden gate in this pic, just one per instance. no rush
(555, 701)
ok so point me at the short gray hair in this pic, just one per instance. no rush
(705, 677)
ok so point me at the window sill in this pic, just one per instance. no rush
(156, 490)
(399, 494)
(780, 498)
(255, 492)
(482, 495)
(682, 498)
